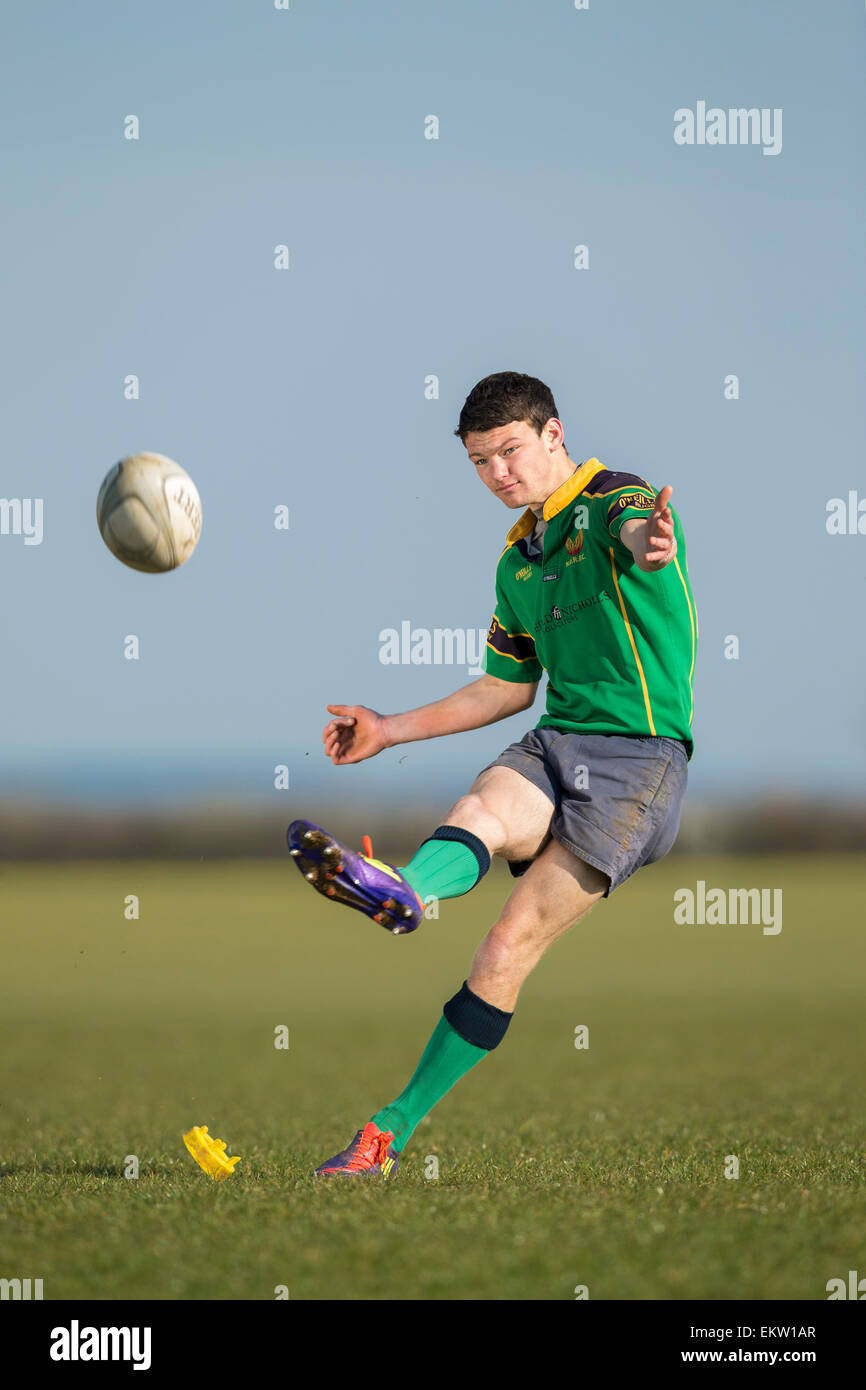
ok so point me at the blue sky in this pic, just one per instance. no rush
(412, 257)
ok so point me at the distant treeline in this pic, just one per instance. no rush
(230, 831)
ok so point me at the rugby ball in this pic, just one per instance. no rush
(149, 513)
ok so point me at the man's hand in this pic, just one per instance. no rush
(652, 542)
(357, 733)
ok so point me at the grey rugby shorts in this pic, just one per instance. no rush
(616, 800)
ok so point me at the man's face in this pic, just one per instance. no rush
(514, 462)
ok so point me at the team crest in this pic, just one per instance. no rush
(574, 548)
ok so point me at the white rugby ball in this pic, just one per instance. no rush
(149, 513)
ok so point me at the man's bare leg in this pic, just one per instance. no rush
(512, 816)
(508, 812)
(557, 890)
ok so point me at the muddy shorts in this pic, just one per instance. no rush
(616, 800)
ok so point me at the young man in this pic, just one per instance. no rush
(591, 588)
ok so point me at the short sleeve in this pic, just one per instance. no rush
(510, 652)
(633, 502)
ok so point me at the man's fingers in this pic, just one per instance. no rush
(341, 733)
(345, 711)
(338, 738)
(662, 500)
(661, 553)
(335, 725)
(337, 733)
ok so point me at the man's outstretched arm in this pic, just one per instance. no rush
(357, 732)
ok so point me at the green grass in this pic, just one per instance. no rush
(557, 1167)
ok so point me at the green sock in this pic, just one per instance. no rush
(446, 1058)
(446, 868)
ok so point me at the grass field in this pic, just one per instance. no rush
(558, 1167)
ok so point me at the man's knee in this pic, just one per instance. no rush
(512, 939)
(473, 813)
(528, 923)
(468, 805)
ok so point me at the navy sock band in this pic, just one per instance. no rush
(476, 1021)
(463, 837)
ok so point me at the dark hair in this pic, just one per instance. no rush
(503, 397)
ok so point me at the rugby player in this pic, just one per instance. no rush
(592, 590)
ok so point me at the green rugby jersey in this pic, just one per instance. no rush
(618, 644)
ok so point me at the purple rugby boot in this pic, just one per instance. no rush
(357, 880)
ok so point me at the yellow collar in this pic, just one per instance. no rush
(557, 500)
